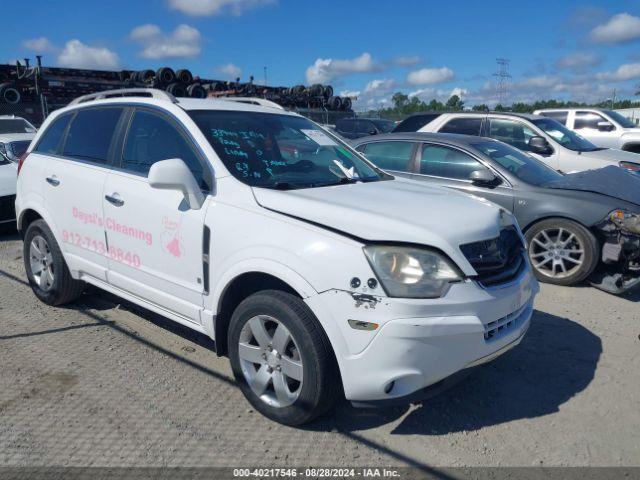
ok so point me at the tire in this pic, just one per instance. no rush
(557, 241)
(63, 288)
(10, 94)
(184, 76)
(346, 103)
(334, 103)
(328, 92)
(165, 75)
(145, 75)
(319, 386)
(195, 90)
(177, 90)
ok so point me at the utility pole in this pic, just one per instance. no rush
(265, 75)
(502, 78)
(613, 99)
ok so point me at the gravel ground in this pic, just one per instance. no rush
(104, 383)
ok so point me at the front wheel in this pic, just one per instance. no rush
(282, 358)
(561, 251)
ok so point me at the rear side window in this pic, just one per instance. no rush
(415, 122)
(560, 116)
(90, 134)
(51, 140)
(151, 138)
(463, 126)
(365, 127)
(390, 155)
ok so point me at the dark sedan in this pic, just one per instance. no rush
(579, 226)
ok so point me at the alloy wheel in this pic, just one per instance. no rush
(270, 361)
(41, 262)
(556, 252)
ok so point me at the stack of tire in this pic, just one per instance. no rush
(9, 93)
(179, 83)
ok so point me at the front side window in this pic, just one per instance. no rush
(559, 116)
(281, 151)
(588, 120)
(394, 155)
(51, 140)
(563, 135)
(345, 126)
(463, 126)
(365, 127)
(524, 166)
(152, 138)
(91, 133)
(384, 126)
(514, 133)
(447, 162)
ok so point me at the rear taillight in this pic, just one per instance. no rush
(21, 160)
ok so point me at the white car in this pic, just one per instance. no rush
(15, 135)
(542, 137)
(602, 127)
(314, 271)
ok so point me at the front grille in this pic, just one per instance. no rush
(7, 208)
(503, 326)
(498, 260)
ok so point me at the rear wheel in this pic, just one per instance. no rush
(561, 251)
(46, 269)
(282, 359)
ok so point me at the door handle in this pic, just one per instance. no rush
(53, 180)
(114, 200)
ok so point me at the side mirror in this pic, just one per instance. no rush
(174, 174)
(539, 145)
(483, 178)
(605, 126)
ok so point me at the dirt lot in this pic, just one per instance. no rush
(107, 384)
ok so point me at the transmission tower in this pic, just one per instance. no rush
(502, 78)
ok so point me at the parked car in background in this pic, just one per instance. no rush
(8, 171)
(315, 271)
(363, 127)
(578, 226)
(542, 137)
(602, 127)
(15, 136)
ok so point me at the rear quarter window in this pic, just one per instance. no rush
(51, 140)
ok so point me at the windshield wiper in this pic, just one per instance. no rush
(284, 186)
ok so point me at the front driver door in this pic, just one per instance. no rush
(451, 167)
(155, 240)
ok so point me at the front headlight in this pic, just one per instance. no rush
(626, 220)
(411, 272)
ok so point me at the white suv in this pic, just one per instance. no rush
(605, 128)
(314, 271)
(542, 137)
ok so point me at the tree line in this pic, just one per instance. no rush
(404, 105)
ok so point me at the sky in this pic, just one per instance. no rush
(561, 49)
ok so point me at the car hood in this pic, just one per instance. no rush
(611, 181)
(394, 211)
(8, 178)
(613, 155)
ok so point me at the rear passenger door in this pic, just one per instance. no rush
(76, 154)
(451, 167)
(155, 240)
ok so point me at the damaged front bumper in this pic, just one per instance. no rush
(619, 271)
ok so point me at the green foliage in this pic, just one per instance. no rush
(404, 105)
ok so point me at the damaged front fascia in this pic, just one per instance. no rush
(620, 254)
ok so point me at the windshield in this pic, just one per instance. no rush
(281, 151)
(525, 167)
(620, 119)
(564, 136)
(15, 125)
(385, 126)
